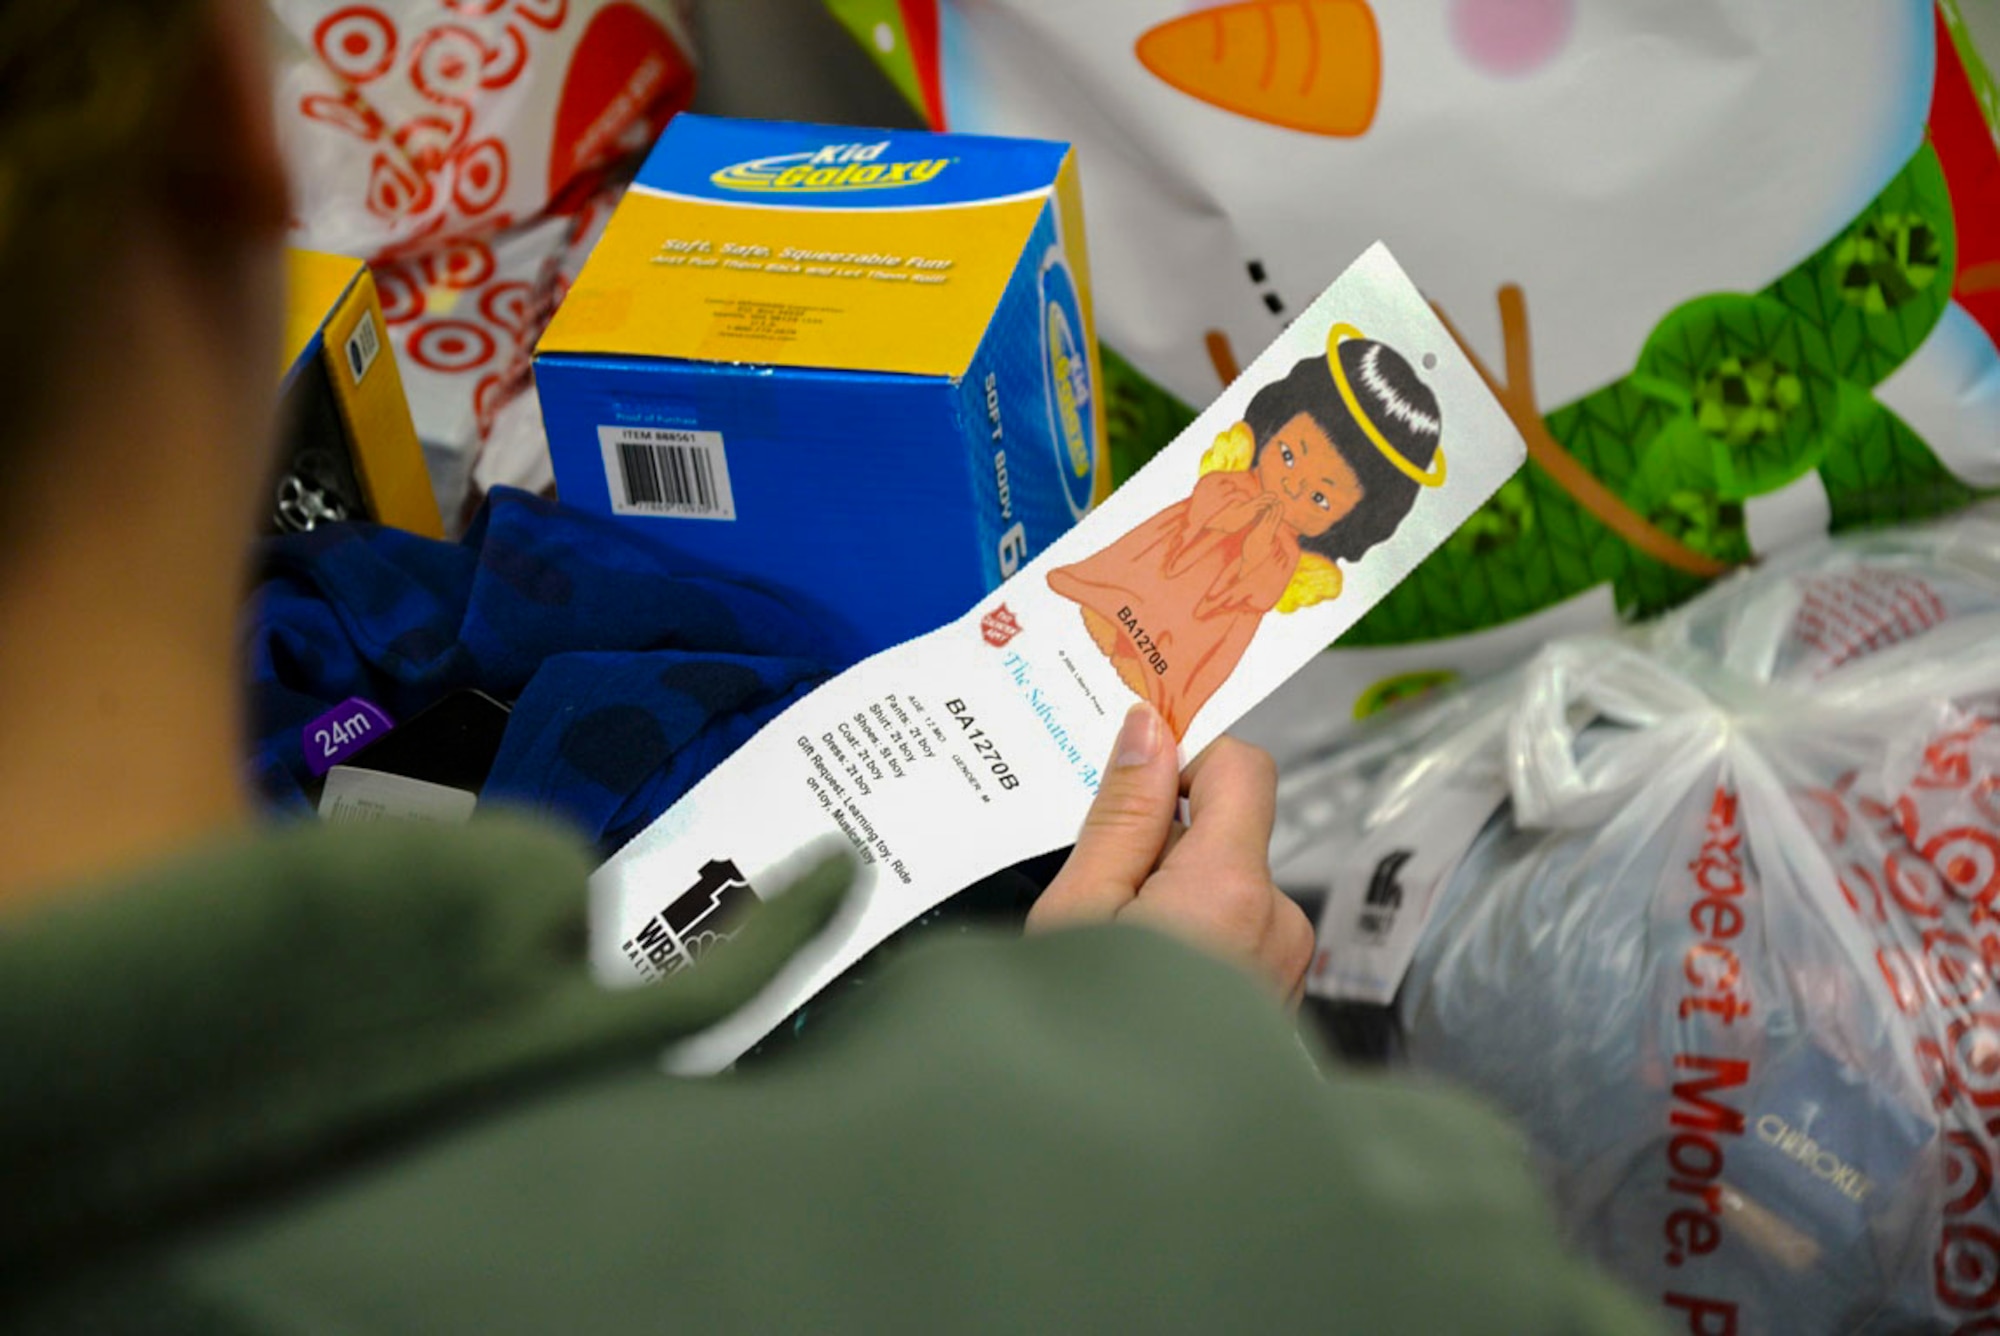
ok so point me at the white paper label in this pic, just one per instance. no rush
(1380, 896)
(354, 794)
(362, 346)
(1196, 586)
(665, 471)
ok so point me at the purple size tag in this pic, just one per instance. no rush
(342, 731)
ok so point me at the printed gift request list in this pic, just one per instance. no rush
(1352, 447)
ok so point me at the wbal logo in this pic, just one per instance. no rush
(702, 917)
(832, 168)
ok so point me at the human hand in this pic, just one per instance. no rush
(1209, 882)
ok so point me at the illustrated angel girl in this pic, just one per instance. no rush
(1324, 465)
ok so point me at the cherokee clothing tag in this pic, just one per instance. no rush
(1346, 452)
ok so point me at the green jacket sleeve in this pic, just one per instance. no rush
(1091, 1131)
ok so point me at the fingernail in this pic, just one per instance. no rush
(1139, 737)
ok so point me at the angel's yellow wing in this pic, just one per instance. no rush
(1315, 580)
(1231, 452)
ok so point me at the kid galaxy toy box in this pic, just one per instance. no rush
(858, 366)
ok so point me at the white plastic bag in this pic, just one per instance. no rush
(464, 149)
(1725, 935)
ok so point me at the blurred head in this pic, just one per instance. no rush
(140, 191)
(142, 221)
(1361, 495)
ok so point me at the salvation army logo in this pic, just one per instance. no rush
(999, 626)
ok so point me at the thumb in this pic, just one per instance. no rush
(1124, 832)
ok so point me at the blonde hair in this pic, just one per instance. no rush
(88, 95)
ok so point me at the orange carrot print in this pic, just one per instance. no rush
(1308, 65)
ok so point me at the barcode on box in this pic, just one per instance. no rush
(666, 471)
(362, 345)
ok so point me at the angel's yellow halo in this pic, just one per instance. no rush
(1431, 477)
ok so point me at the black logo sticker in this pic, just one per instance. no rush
(1385, 896)
(701, 917)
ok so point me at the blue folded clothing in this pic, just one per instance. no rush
(630, 679)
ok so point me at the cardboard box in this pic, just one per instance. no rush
(350, 451)
(856, 365)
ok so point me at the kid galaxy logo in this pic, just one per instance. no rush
(834, 167)
(1071, 425)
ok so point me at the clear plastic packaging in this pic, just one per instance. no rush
(1725, 938)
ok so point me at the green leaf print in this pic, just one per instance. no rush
(1875, 291)
(1879, 472)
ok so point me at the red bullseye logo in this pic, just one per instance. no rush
(1968, 1172)
(1973, 1049)
(1970, 861)
(451, 346)
(999, 626)
(447, 64)
(481, 177)
(1957, 967)
(1966, 1269)
(402, 298)
(1915, 885)
(461, 265)
(510, 305)
(504, 62)
(357, 43)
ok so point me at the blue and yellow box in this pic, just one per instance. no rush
(857, 365)
(349, 450)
